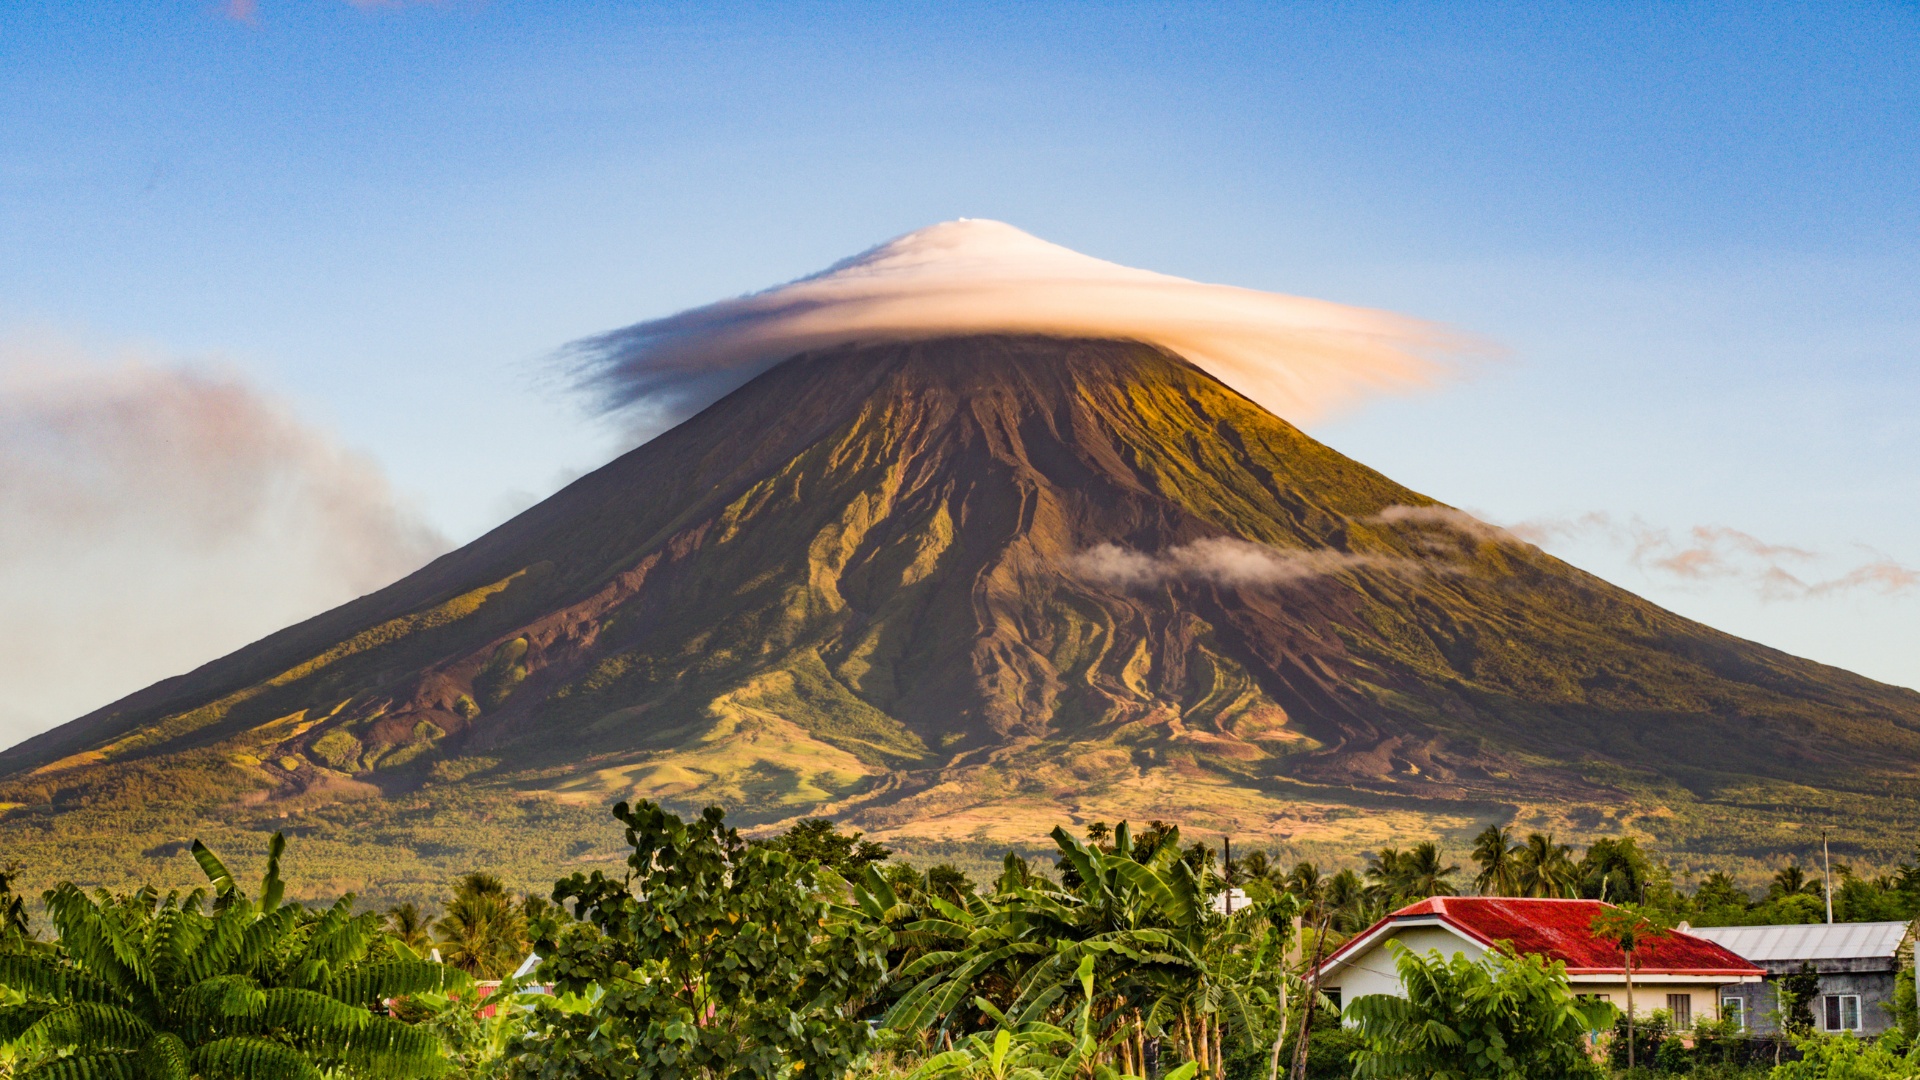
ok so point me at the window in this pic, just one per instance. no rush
(1735, 1010)
(1681, 1006)
(1842, 1012)
(1332, 994)
(1594, 997)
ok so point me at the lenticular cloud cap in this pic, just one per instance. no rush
(1298, 358)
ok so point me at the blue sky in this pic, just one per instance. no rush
(1693, 229)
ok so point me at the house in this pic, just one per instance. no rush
(1856, 964)
(1680, 973)
(486, 988)
(1231, 901)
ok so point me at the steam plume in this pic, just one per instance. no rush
(1298, 358)
(152, 518)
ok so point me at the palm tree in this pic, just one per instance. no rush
(1546, 869)
(1255, 866)
(484, 931)
(1386, 876)
(409, 927)
(1423, 874)
(1305, 882)
(235, 988)
(1353, 905)
(1790, 880)
(14, 928)
(1498, 854)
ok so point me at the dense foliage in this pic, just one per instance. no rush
(815, 955)
(214, 985)
(710, 958)
(1505, 1018)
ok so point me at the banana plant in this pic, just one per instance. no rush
(1166, 961)
(215, 985)
(1026, 1048)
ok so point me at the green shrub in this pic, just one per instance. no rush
(1503, 1017)
(1843, 1057)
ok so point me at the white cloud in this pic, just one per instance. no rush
(153, 517)
(1222, 560)
(1298, 358)
(1445, 519)
(1717, 553)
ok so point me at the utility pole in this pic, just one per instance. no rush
(1826, 859)
(1226, 868)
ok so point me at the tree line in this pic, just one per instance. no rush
(1612, 869)
(815, 955)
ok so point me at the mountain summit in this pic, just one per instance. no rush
(967, 588)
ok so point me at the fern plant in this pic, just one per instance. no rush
(215, 985)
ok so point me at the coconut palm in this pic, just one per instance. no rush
(1353, 905)
(215, 987)
(484, 930)
(1790, 880)
(1305, 881)
(1546, 869)
(1498, 854)
(409, 927)
(1422, 873)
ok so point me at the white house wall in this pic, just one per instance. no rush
(1372, 971)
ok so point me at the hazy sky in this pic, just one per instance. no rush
(281, 283)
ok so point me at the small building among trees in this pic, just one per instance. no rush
(1849, 972)
(1674, 970)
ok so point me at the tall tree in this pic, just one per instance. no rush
(1353, 905)
(1790, 880)
(14, 927)
(484, 929)
(711, 959)
(1387, 875)
(1628, 931)
(1498, 854)
(1306, 882)
(1545, 869)
(1424, 873)
(216, 987)
(1616, 871)
(409, 927)
(820, 840)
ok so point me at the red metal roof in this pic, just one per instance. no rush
(1558, 929)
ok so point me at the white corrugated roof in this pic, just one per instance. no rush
(1818, 941)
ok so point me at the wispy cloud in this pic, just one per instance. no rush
(154, 516)
(248, 11)
(1718, 553)
(1441, 534)
(1297, 357)
(1454, 524)
(1221, 560)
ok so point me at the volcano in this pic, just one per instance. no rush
(964, 589)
